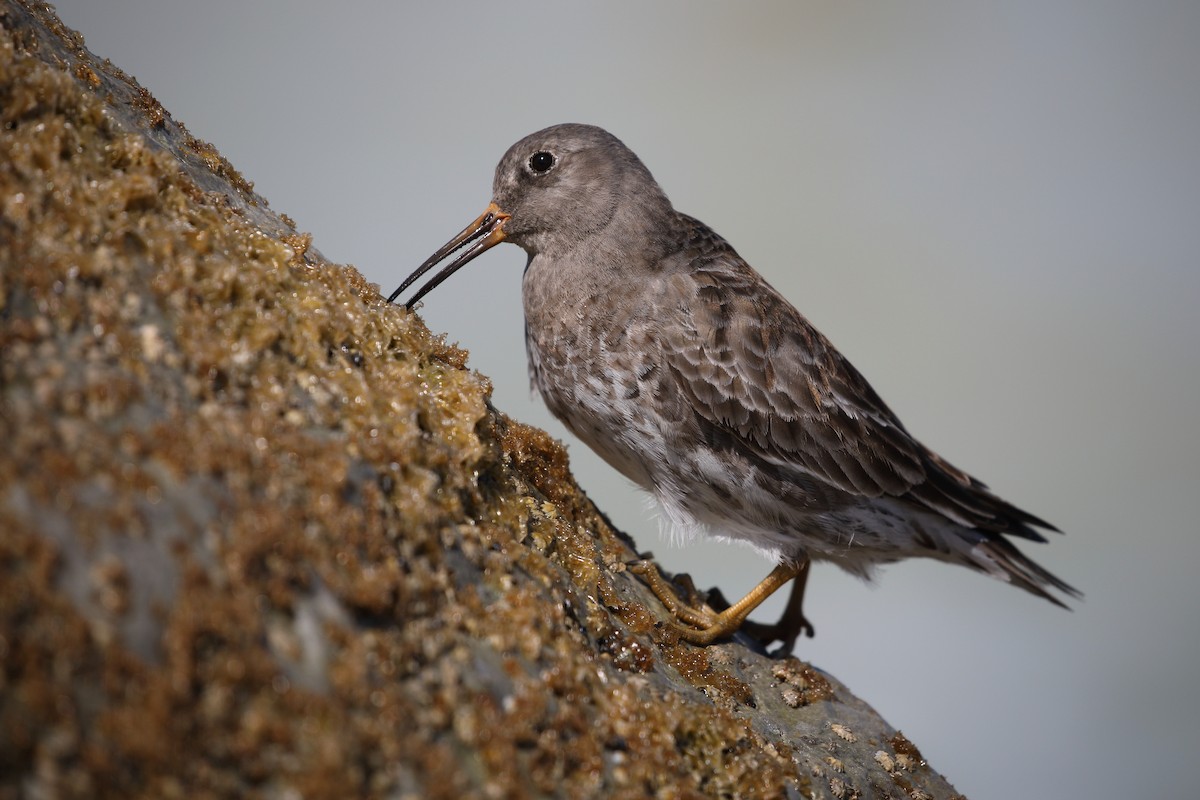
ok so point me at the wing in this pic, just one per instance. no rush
(758, 372)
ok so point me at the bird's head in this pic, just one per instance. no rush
(554, 191)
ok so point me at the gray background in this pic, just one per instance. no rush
(993, 212)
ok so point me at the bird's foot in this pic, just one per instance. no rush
(792, 624)
(706, 625)
(784, 631)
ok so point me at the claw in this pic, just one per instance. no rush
(707, 625)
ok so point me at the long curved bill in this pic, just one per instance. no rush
(482, 234)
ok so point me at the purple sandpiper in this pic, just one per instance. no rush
(657, 345)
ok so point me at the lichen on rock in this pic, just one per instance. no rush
(263, 532)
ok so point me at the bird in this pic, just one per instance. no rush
(666, 353)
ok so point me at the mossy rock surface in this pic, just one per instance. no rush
(262, 534)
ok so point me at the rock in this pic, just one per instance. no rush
(262, 533)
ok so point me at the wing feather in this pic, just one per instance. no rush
(756, 370)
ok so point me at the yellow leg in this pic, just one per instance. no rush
(791, 624)
(708, 625)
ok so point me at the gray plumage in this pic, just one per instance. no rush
(665, 352)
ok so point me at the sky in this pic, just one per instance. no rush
(992, 210)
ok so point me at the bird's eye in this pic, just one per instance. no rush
(541, 162)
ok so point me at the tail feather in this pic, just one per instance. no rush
(958, 495)
(1001, 559)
